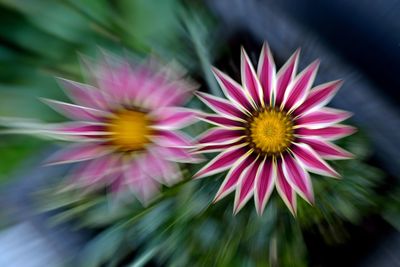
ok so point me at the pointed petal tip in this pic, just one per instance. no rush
(237, 208)
(266, 46)
(315, 64)
(215, 70)
(260, 211)
(296, 53)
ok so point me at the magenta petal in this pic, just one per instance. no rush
(220, 105)
(297, 90)
(76, 153)
(214, 148)
(266, 73)
(319, 96)
(326, 149)
(322, 118)
(285, 190)
(76, 112)
(245, 188)
(298, 177)
(221, 162)
(232, 178)
(169, 138)
(310, 159)
(219, 136)
(174, 117)
(221, 121)
(285, 76)
(250, 80)
(330, 133)
(83, 94)
(264, 184)
(232, 89)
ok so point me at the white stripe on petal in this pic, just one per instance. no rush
(312, 161)
(298, 177)
(245, 187)
(267, 74)
(265, 182)
(250, 80)
(222, 162)
(233, 176)
(285, 190)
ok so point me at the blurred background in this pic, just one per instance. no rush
(357, 222)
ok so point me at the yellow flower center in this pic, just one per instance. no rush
(270, 131)
(129, 130)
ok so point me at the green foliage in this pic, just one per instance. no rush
(183, 228)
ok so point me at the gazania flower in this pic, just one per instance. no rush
(126, 125)
(272, 131)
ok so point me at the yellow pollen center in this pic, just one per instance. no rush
(129, 130)
(270, 131)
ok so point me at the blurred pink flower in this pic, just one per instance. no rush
(272, 131)
(125, 129)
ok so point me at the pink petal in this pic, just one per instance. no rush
(264, 184)
(145, 190)
(319, 96)
(221, 162)
(232, 89)
(169, 138)
(133, 171)
(169, 169)
(109, 79)
(221, 121)
(144, 187)
(232, 178)
(155, 93)
(179, 155)
(297, 91)
(322, 118)
(221, 106)
(219, 136)
(245, 188)
(83, 94)
(117, 184)
(330, 133)
(326, 149)
(250, 80)
(297, 177)
(174, 117)
(285, 190)
(175, 94)
(314, 163)
(153, 166)
(285, 76)
(95, 170)
(266, 73)
(76, 153)
(82, 129)
(76, 112)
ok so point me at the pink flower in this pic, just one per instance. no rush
(272, 131)
(125, 129)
